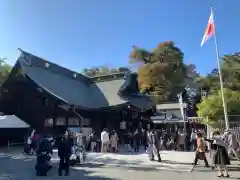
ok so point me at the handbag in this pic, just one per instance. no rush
(155, 151)
(29, 141)
(149, 150)
(73, 157)
(201, 155)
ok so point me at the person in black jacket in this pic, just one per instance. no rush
(64, 153)
(45, 148)
(136, 140)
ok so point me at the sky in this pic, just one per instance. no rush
(81, 34)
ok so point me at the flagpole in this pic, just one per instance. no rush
(220, 77)
(180, 100)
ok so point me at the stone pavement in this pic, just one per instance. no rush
(174, 161)
(15, 166)
(19, 169)
(147, 174)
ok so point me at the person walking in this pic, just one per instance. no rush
(105, 141)
(221, 157)
(181, 140)
(153, 146)
(43, 157)
(193, 140)
(136, 140)
(93, 141)
(64, 153)
(200, 152)
(114, 141)
(213, 147)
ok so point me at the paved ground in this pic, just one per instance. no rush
(174, 161)
(17, 167)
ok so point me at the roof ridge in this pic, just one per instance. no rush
(110, 77)
(42, 63)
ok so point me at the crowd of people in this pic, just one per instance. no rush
(72, 147)
(110, 141)
(221, 147)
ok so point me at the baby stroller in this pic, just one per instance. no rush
(78, 156)
(43, 164)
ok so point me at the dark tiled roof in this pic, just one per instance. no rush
(75, 88)
(109, 90)
(41, 63)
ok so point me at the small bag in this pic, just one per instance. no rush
(29, 141)
(155, 151)
(201, 155)
(149, 150)
(73, 157)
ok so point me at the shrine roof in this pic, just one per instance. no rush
(76, 89)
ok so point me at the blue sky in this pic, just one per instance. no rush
(86, 33)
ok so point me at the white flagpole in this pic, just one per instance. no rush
(220, 77)
(180, 100)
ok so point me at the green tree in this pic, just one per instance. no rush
(104, 70)
(89, 72)
(162, 73)
(231, 71)
(211, 108)
(230, 68)
(5, 69)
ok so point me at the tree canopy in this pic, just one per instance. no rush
(211, 108)
(162, 74)
(5, 69)
(103, 70)
(230, 68)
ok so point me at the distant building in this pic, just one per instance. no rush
(48, 96)
(168, 115)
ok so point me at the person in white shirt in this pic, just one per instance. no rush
(104, 140)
